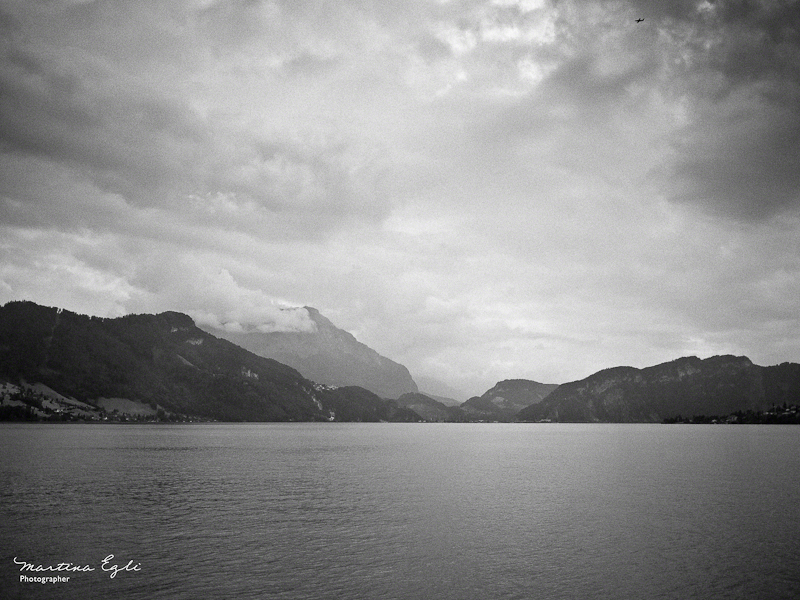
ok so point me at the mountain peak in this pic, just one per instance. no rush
(328, 355)
(506, 398)
(176, 319)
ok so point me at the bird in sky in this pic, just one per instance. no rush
(639, 20)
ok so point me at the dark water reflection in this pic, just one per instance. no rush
(394, 511)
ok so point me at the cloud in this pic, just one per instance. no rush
(137, 125)
(268, 318)
(75, 110)
(734, 68)
(740, 156)
(213, 297)
(478, 190)
(709, 94)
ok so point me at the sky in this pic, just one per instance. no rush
(479, 190)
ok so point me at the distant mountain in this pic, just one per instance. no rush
(352, 403)
(328, 355)
(164, 360)
(446, 400)
(687, 387)
(430, 409)
(439, 390)
(506, 399)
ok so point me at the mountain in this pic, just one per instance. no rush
(430, 409)
(166, 361)
(352, 403)
(439, 390)
(328, 355)
(446, 400)
(688, 386)
(506, 399)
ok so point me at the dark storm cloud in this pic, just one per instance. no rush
(739, 154)
(128, 141)
(743, 159)
(580, 83)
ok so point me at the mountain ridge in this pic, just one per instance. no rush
(684, 386)
(329, 355)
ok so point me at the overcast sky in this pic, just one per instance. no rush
(478, 190)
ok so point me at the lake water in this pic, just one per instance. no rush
(402, 511)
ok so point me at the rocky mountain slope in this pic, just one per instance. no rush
(165, 360)
(506, 399)
(687, 386)
(328, 355)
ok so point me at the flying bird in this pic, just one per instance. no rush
(639, 20)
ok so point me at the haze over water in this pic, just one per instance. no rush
(395, 511)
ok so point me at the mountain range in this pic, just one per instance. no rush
(164, 364)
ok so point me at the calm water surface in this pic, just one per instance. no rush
(403, 511)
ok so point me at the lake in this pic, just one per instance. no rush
(400, 511)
